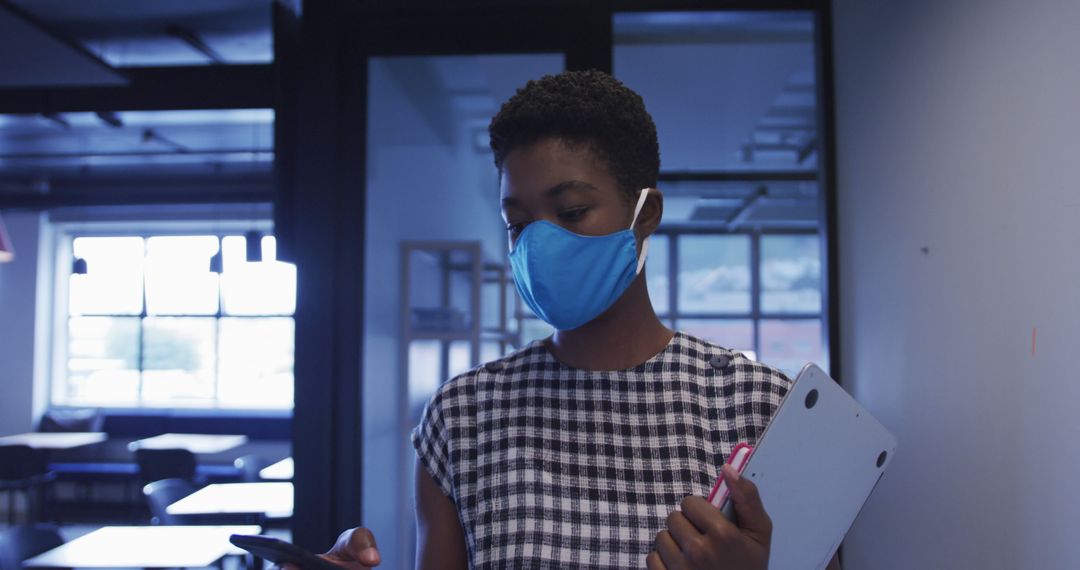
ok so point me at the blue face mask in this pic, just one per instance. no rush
(568, 279)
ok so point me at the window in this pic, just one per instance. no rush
(756, 293)
(151, 325)
(790, 274)
(738, 259)
(713, 274)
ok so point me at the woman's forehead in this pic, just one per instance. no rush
(550, 167)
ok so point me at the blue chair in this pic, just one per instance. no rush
(22, 542)
(160, 494)
(24, 469)
(249, 467)
(158, 464)
(72, 420)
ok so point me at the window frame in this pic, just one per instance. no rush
(58, 375)
(756, 315)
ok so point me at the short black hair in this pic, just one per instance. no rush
(583, 107)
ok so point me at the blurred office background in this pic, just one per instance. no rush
(243, 241)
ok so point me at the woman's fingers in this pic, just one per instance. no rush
(751, 513)
(705, 517)
(353, 546)
(682, 530)
(669, 551)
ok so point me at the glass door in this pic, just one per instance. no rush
(438, 300)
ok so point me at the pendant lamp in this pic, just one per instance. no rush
(7, 251)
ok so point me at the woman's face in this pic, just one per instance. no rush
(565, 185)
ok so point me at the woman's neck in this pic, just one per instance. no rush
(624, 336)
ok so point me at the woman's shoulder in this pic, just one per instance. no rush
(464, 385)
(732, 364)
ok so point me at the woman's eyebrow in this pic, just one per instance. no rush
(561, 187)
(554, 191)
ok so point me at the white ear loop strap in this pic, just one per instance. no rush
(645, 242)
(640, 203)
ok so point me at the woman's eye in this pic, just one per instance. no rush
(572, 215)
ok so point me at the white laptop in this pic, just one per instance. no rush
(816, 464)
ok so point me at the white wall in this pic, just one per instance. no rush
(20, 331)
(958, 132)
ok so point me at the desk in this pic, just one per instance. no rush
(54, 440)
(144, 547)
(280, 471)
(275, 500)
(193, 442)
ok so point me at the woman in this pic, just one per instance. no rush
(592, 448)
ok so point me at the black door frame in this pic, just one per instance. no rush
(320, 205)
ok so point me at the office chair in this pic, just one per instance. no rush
(22, 542)
(158, 464)
(160, 494)
(249, 467)
(24, 469)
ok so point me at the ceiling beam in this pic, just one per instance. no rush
(153, 89)
(196, 43)
(106, 190)
(743, 211)
(177, 149)
(221, 195)
(740, 176)
(807, 149)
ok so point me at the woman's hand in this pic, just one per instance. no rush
(354, 550)
(701, 537)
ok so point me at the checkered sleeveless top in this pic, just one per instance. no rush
(552, 466)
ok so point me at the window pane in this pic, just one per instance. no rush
(489, 350)
(790, 344)
(114, 279)
(714, 274)
(790, 274)
(656, 273)
(103, 362)
(459, 359)
(736, 334)
(178, 276)
(425, 373)
(489, 305)
(512, 302)
(256, 363)
(267, 287)
(178, 361)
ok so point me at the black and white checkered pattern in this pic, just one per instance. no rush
(557, 467)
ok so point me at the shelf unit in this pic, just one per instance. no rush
(442, 304)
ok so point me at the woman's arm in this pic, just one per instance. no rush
(440, 542)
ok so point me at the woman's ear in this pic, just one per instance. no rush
(651, 212)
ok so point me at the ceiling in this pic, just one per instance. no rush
(55, 60)
(150, 33)
(89, 43)
(730, 92)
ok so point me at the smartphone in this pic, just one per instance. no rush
(280, 552)
(720, 495)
